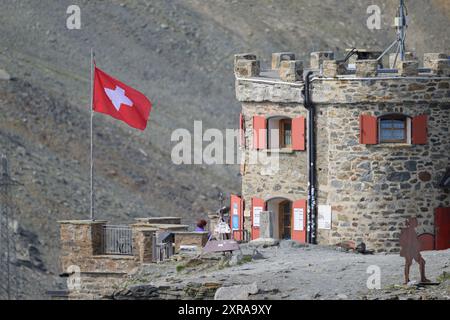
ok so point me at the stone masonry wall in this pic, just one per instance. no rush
(83, 260)
(291, 180)
(372, 189)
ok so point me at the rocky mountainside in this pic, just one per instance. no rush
(179, 53)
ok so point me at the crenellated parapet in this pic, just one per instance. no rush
(339, 81)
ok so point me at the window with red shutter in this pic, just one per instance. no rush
(298, 134)
(419, 130)
(259, 133)
(368, 129)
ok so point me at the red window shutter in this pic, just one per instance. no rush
(241, 130)
(420, 129)
(256, 204)
(237, 217)
(368, 126)
(298, 207)
(298, 134)
(259, 133)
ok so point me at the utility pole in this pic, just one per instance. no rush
(9, 275)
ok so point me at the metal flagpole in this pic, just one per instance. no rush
(92, 149)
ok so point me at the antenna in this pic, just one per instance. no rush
(401, 25)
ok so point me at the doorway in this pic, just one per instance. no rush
(284, 222)
(282, 208)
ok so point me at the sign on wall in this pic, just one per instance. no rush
(235, 222)
(235, 217)
(299, 223)
(257, 216)
(324, 220)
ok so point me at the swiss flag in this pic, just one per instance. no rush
(120, 101)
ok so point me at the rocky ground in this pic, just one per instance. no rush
(288, 271)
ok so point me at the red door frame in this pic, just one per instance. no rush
(442, 228)
(256, 202)
(299, 236)
(237, 234)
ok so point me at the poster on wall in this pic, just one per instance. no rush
(299, 223)
(324, 220)
(235, 222)
(257, 216)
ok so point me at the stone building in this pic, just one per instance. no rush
(378, 151)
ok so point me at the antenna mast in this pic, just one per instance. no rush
(401, 25)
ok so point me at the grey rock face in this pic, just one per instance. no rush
(4, 75)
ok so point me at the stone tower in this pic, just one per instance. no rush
(381, 146)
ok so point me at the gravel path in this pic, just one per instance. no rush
(319, 273)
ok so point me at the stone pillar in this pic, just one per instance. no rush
(279, 57)
(408, 68)
(246, 65)
(428, 59)
(267, 220)
(80, 240)
(198, 239)
(291, 71)
(409, 56)
(333, 68)
(143, 243)
(244, 56)
(366, 68)
(213, 219)
(317, 58)
(440, 67)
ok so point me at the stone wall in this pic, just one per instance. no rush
(291, 180)
(198, 239)
(82, 256)
(374, 188)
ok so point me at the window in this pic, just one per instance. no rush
(279, 132)
(393, 129)
(286, 133)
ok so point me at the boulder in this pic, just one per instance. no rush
(4, 75)
(240, 292)
(236, 258)
(264, 243)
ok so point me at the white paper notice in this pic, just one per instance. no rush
(299, 223)
(324, 220)
(257, 216)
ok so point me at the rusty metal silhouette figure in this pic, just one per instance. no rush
(410, 249)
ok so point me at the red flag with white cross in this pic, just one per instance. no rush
(120, 101)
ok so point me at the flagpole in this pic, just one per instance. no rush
(91, 133)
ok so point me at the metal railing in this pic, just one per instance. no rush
(163, 251)
(117, 240)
